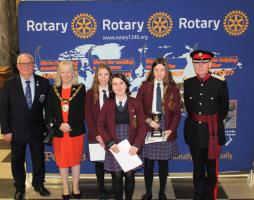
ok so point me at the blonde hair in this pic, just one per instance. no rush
(63, 63)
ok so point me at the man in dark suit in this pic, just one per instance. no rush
(22, 122)
(207, 104)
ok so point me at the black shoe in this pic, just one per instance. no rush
(66, 196)
(162, 196)
(147, 197)
(75, 196)
(19, 194)
(103, 195)
(42, 190)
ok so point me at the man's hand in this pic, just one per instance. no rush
(115, 148)
(7, 137)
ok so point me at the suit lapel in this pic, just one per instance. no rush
(59, 89)
(73, 89)
(20, 91)
(36, 89)
(59, 108)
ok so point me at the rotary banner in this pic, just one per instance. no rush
(129, 35)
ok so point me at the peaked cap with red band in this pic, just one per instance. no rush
(201, 56)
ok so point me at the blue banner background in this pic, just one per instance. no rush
(139, 48)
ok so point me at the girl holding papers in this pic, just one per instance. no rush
(121, 118)
(159, 95)
(96, 97)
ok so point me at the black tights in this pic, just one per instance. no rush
(129, 185)
(148, 174)
(99, 170)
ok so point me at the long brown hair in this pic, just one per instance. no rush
(96, 83)
(168, 81)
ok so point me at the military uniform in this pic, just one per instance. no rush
(207, 104)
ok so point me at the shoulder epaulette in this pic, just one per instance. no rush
(218, 77)
(187, 77)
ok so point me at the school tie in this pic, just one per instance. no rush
(158, 98)
(105, 97)
(120, 106)
(28, 94)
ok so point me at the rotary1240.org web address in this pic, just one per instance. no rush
(125, 37)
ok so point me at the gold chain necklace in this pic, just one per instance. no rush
(65, 106)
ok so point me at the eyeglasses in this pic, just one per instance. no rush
(28, 64)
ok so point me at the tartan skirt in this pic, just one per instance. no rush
(110, 163)
(160, 150)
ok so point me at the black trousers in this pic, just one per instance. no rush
(99, 170)
(204, 174)
(148, 175)
(18, 151)
(117, 184)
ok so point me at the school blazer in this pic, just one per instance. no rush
(92, 111)
(137, 126)
(172, 111)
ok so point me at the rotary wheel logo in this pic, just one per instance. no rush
(160, 24)
(84, 25)
(236, 23)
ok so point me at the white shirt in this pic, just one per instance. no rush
(155, 94)
(123, 101)
(32, 85)
(101, 95)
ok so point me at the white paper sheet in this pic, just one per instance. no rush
(97, 152)
(125, 160)
(150, 139)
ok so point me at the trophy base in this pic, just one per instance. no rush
(150, 139)
(156, 134)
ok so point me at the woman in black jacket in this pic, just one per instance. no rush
(65, 109)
